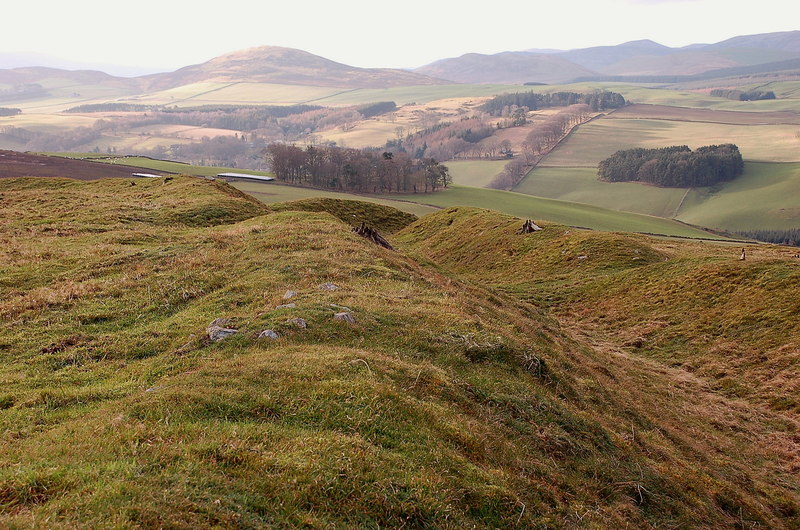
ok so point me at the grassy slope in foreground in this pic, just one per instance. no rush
(569, 213)
(444, 405)
(694, 304)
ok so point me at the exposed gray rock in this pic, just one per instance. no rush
(345, 316)
(217, 330)
(328, 286)
(289, 294)
(342, 307)
(268, 334)
(286, 306)
(299, 322)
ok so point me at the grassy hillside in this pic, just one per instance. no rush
(444, 404)
(734, 323)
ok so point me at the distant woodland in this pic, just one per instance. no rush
(676, 166)
(740, 95)
(600, 100)
(358, 170)
(790, 236)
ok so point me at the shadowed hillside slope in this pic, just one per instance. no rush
(442, 403)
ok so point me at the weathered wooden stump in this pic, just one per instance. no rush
(370, 233)
(528, 227)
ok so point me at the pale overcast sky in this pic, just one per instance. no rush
(168, 34)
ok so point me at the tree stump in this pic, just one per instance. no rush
(370, 233)
(528, 227)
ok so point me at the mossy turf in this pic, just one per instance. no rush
(446, 404)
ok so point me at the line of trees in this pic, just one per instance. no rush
(539, 141)
(358, 170)
(740, 95)
(676, 166)
(599, 100)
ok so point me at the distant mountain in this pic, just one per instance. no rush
(273, 64)
(25, 60)
(506, 67)
(786, 41)
(34, 74)
(636, 58)
(599, 58)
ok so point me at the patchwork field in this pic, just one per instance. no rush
(762, 198)
(599, 139)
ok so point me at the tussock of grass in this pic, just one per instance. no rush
(446, 403)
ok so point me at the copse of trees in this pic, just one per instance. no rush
(740, 95)
(676, 166)
(376, 109)
(599, 100)
(358, 170)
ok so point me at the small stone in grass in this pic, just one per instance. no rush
(345, 316)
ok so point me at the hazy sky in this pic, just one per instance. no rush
(167, 34)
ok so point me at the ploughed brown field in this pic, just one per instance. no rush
(16, 164)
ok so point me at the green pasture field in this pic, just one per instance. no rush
(764, 197)
(477, 173)
(569, 213)
(580, 184)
